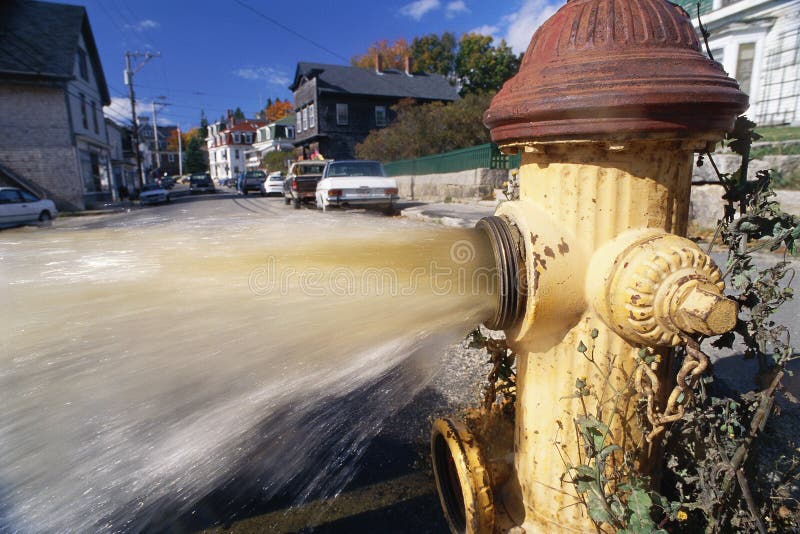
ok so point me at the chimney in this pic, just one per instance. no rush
(408, 62)
(378, 63)
(230, 119)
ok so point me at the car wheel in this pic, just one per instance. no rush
(244, 192)
(169, 199)
(297, 203)
(45, 218)
(390, 210)
(287, 200)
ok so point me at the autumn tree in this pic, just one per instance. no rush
(421, 130)
(278, 110)
(481, 67)
(172, 140)
(434, 54)
(393, 55)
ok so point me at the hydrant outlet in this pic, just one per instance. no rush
(701, 309)
(507, 246)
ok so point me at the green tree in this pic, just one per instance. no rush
(434, 54)
(276, 161)
(203, 124)
(481, 67)
(195, 162)
(421, 130)
(238, 114)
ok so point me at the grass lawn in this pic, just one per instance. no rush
(778, 133)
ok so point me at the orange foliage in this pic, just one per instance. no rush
(278, 110)
(393, 55)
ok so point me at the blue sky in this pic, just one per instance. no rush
(228, 53)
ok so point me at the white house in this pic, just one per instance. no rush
(275, 136)
(758, 43)
(227, 142)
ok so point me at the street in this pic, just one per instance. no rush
(385, 483)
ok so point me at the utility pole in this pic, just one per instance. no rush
(180, 153)
(129, 72)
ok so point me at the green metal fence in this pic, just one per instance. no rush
(486, 156)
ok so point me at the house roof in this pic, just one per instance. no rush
(390, 82)
(39, 40)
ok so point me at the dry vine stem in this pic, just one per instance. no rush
(647, 384)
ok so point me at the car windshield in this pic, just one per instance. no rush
(300, 170)
(356, 168)
(150, 187)
(255, 174)
(276, 178)
(199, 180)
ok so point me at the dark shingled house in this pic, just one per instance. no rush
(52, 92)
(337, 106)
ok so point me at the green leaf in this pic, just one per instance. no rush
(596, 509)
(639, 502)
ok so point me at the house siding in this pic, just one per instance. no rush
(36, 141)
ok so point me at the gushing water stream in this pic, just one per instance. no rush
(143, 366)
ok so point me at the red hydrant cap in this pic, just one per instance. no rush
(615, 69)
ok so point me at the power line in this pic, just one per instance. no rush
(288, 29)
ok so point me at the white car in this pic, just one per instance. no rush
(357, 183)
(153, 194)
(274, 184)
(18, 207)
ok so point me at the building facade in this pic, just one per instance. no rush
(758, 43)
(273, 137)
(337, 106)
(52, 93)
(227, 143)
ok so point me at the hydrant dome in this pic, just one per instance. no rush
(615, 69)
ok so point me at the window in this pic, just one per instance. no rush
(237, 137)
(299, 124)
(267, 134)
(305, 118)
(94, 117)
(171, 157)
(248, 138)
(27, 197)
(82, 64)
(236, 154)
(380, 115)
(84, 119)
(341, 114)
(312, 121)
(744, 65)
(289, 132)
(9, 196)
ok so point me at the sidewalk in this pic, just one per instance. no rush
(458, 214)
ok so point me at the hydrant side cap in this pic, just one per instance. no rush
(614, 67)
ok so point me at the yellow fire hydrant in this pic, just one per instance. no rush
(597, 282)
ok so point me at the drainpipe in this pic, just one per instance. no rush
(610, 103)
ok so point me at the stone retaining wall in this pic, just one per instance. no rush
(475, 184)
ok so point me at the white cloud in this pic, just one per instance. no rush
(523, 23)
(120, 111)
(268, 74)
(416, 10)
(454, 8)
(486, 29)
(142, 25)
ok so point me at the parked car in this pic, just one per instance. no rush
(153, 194)
(356, 183)
(168, 182)
(18, 207)
(300, 184)
(274, 184)
(252, 181)
(201, 183)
